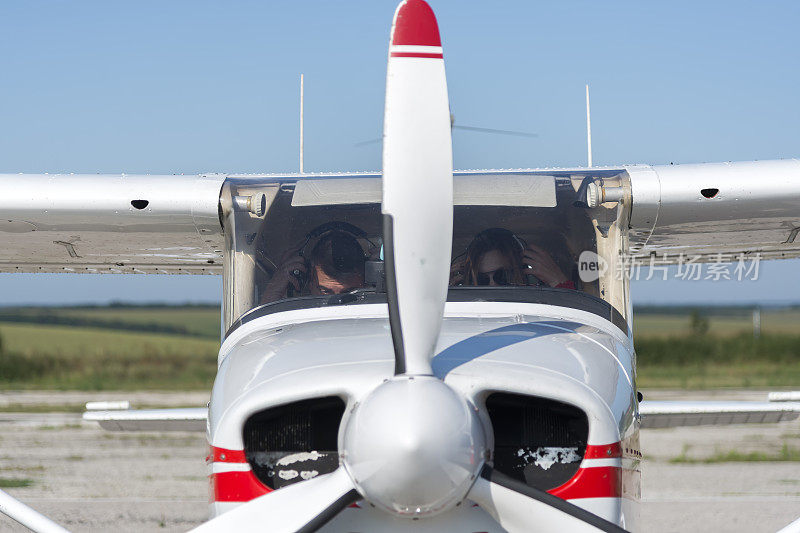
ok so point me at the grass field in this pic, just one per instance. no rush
(94, 348)
(671, 354)
(665, 325)
(734, 375)
(76, 341)
(200, 321)
(61, 357)
(784, 454)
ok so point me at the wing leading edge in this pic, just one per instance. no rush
(704, 210)
(666, 414)
(170, 224)
(110, 223)
(180, 419)
(655, 414)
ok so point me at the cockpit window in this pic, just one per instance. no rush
(307, 240)
(330, 259)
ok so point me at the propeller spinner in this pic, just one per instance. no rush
(414, 446)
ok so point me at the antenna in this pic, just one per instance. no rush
(588, 128)
(301, 124)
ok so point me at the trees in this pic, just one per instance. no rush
(698, 323)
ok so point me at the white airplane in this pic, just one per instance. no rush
(420, 349)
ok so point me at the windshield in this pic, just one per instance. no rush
(526, 236)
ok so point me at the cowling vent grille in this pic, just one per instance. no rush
(538, 441)
(294, 442)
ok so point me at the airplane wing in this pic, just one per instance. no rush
(710, 212)
(183, 419)
(667, 414)
(170, 224)
(87, 223)
(655, 414)
(704, 210)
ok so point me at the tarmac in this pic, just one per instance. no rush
(91, 480)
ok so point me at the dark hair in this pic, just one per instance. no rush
(494, 239)
(338, 254)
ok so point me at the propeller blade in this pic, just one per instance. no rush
(302, 507)
(520, 508)
(500, 132)
(371, 141)
(417, 186)
(31, 519)
(377, 140)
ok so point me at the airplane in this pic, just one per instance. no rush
(372, 376)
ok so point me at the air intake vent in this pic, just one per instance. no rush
(537, 441)
(293, 442)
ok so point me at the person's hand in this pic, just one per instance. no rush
(290, 271)
(537, 261)
(457, 274)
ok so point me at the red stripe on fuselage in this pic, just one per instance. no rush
(604, 451)
(416, 24)
(417, 54)
(594, 482)
(240, 487)
(222, 455)
(236, 487)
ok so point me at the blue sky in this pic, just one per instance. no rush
(186, 87)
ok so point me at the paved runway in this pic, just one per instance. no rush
(90, 480)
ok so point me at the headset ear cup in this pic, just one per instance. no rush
(345, 227)
(302, 280)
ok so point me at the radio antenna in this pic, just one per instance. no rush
(588, 129)
(301, 123)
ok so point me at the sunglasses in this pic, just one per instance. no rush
(501, 276)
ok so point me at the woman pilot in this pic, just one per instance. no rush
(497, 257)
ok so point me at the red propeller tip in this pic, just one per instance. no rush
(415, 24)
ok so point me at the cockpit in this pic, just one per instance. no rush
(295, 242)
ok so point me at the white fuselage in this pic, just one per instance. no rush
(567, 355)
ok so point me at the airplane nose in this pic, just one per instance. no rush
(413, 446)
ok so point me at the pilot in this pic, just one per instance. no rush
(335, 266)
(497, 257)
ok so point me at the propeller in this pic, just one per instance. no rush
(417, 194)
(455, 126)
(376, 140)
(302, 507)
(413, 446)
(516, 506)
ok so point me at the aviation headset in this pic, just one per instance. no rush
(318, 233)
(530, 279)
